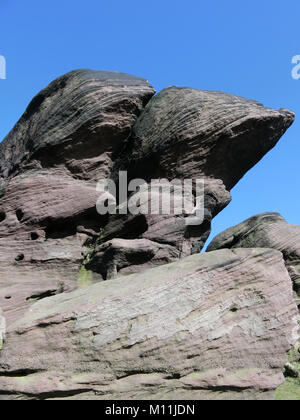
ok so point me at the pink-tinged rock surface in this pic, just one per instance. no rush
(84, 127)
(80, 120)
(209, 326)
(50, 164)
(125, 256)
(185, 133)
(266, 230)
(212, 326)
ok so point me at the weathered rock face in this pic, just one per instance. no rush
(266, 230)
(270, 230)
(82, 128)
(215, 325)
(49, 165)
(170, 332)
(125, 256)
(81, 119)
(185, 133)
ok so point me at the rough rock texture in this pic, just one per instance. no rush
(82, 108)
(86, 126)
(271, 230)
(125, 256)
(266, 230)
(215, 325)
(49, 165)
(185, 133)
(170, 332)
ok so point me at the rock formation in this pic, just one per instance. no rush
(50, 162)
(270, 230)
(185, 133)
(266, 230)
(172, 331)
(213, 326)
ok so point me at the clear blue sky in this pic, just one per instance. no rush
(242, 47)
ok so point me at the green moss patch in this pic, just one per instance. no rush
(289, 391)
(85, 277)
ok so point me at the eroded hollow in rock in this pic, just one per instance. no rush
(19, 214)
(34, 236)
(2, 216)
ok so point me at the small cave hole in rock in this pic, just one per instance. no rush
(2, 216)
(174, 376)
(234, 309)
(19, 214)
(34, 236)
(20, 257)
(62, 230)
(7, 297)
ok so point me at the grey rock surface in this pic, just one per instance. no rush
(271, 230)
(79, 120)
(208, 326)
(50, 163)
(85, 126)
(185, 133)
(124, 256)
(212, 326)
(266, 230)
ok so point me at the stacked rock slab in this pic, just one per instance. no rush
(266, 230)
(173, 331)
(50, 163)
(211, 326)
(271, 230)
(83, 128)
(187, 134)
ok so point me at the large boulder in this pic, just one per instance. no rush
(212, 326)
(50, 163)
(85, 127)
(266, 230)
(185, 133)
(79, 121)
(271, 230)
(208, 326)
